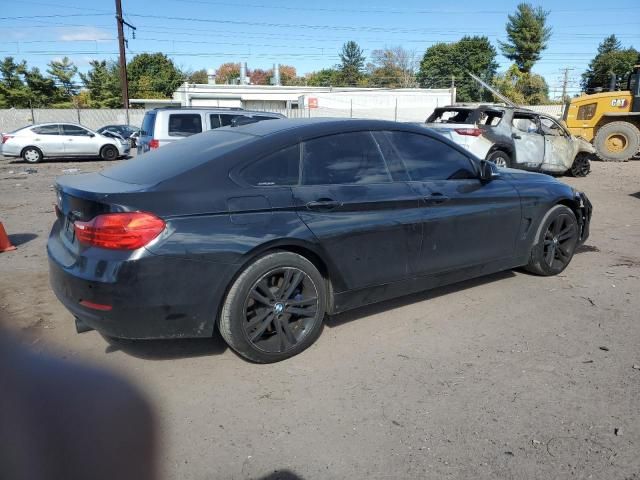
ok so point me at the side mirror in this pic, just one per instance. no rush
(92, 135)
(488, 171)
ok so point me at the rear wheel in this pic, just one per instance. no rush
(32, 155)
(581, 166)
(617, 141)
(556, 242)
(109, 152)
(275, 308)
(500, 158)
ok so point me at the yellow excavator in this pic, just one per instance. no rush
(609, 120)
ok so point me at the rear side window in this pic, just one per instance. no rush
(148, 122)
(346, 158)
(279, 168)
(226, 119)
(184, 124)
(490, 118)
(214, 119)
(586, 112)
(450, 116)
(426, 158)
(46, 130)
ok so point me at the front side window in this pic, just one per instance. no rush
(550, 127)
(346, 158)
(279, 168)
(75, 131)
(426, 158)
(46, 130)
(184, 124)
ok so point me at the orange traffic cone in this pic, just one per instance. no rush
(5, 244)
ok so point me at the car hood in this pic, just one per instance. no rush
(515, 174)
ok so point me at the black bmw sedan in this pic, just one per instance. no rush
(262, 230)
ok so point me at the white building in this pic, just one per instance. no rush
(407, 104)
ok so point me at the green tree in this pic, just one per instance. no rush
(326, 77)
(522, 88)
(611, 58)
(153, 75)
(41, 90)
(63, 73)
(443, 62)
(392, 68)
(199, 76)
(13, 92)
(102, 81)
(352, 64)
(527, 35)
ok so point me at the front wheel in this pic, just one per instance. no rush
(275, 308)
(500, 158)
(556, 242)
(109, 152)
(581, 166)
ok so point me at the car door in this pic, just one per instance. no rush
(366, 223)
(79, 141)
(48, 139)
(465, 221)
(528, 141)
(558, 145)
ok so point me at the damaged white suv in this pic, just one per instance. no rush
(514, 137)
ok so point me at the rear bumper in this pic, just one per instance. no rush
(151, 296)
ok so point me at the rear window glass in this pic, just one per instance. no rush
(279, 168)
(147, 124)
(227, 120)
(178, 157)
(184, 124)
(450, 116)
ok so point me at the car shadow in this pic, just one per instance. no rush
(281, 475)
(586, 249)
(636, 195)
(18, 239)
(376, 308)
(168, 349)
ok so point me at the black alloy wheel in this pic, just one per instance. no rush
(557, 240)
(280, 310)
(581, 166)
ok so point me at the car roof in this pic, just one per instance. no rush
(229, 110)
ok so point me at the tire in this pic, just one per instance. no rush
(32, 155)
(109, 153)
(581, 166)
(555, 243)
(500, 158)
(617, 141)
(266, 323)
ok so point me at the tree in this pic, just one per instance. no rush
(153, 75)
(228, 73)
(352, 63)
(13, 92)
(527, 36)
(42, 90)
(392, 67)
(63, 73)
(102, 81)
(610, 59)
(199, 76)
(326, 77)
(522, 88)
(258, 76)
(443, 62)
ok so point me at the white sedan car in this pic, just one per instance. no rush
(49, 140)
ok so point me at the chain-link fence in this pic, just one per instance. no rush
(14, 118)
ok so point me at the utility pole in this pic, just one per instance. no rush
(565, 82)
(453, 89)
(124, 82)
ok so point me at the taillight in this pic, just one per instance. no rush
(473, 132)
(154, 144)
(6, 137)
(119, 231)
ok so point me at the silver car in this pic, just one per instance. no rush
(48, 140)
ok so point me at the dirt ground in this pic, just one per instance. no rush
(509, 376)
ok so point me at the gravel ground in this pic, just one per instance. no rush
(509, 376)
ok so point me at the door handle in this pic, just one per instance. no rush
(436, 198)
(323, 204)
(516, 136)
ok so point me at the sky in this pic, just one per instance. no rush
(308, 35)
